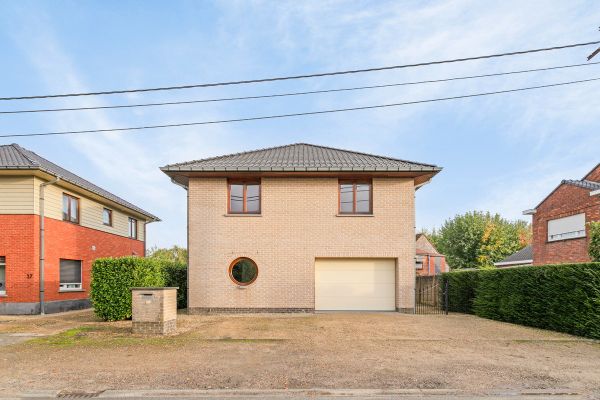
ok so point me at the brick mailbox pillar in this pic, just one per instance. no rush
(154, 310)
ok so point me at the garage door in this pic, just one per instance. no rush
(355, 284)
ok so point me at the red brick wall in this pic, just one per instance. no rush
(429, 265)
(17, 243)
(565, 201)
(20, 244)
(594, 175)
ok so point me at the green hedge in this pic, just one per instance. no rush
(112, 280)
(563, 298)
(461, 290)
(176, 276)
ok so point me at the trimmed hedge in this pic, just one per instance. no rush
(563, 297)
(176, 276)
(112, 280)
(461, 290)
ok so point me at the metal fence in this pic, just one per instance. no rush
(431, 295)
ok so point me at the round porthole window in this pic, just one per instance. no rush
(243, 271)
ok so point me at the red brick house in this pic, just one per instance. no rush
(560, 221)
(81, 222)
(428, 260)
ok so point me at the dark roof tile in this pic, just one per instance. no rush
(14, 156)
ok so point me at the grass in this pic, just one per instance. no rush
(111, 336)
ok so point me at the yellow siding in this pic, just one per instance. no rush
(16, 195)
(90, 213)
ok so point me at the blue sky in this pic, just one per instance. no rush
(502, 153)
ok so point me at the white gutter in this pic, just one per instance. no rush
(42, 248)
(530, 212)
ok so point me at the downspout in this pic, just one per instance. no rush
(42, 247)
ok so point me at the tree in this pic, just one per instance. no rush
(594, 246)
(174, 254)
(477, 239)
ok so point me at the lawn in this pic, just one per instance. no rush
(343, 350)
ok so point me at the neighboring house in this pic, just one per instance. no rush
(301, 228)
(82, 222)
(428, 260)
(560, 221)
(521, 258)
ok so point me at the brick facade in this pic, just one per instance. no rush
(154, 310)
(565, 201)
(298, 224)
(429, 255)
(19, 243)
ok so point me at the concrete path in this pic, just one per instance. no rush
(12, 338)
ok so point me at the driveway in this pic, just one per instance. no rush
(344, 350)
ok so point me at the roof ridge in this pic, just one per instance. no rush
(229, 155)
(298, 144)
(23, 151)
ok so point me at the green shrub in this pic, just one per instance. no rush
(112, 280)
(594, 246)
(563, 298)
(176, 276)
(461, 290)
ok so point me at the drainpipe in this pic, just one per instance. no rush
(42, 249)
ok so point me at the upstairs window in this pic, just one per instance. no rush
(355, 197)
(70, 275)
(70, 208)
(107, 217)
(243, 197)
(2, 276)
(571, 227)
(133, 231)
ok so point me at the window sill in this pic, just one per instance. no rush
(242, 215)
(564, 240)
(3, 295)
(72, 291)
(355, 215)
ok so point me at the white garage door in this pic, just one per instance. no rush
(355, 284)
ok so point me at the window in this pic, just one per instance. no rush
(244, 197)
(70, 208)
(70, 275)
(355, 197)
(107, 217)
(571, 227)
(2, 276)
(243, 271)
(437, 263)
(419, 262)
(133, 228)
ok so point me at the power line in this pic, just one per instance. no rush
(295, 93)
(223, 121)
(321, 74)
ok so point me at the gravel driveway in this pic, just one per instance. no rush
(344, 350)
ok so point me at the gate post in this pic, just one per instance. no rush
(446, 286)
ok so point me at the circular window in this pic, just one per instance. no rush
(243, 271)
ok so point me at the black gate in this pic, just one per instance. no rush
(431, 295)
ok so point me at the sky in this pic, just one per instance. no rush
(501, 153)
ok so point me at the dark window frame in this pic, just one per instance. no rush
(3, 264)
(354, 183)
(135, 225)
(77, 199)
(230, 271)
(110, 217)
(245, 183)
(76, 289)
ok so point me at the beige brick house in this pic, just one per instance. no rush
(301, 228)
